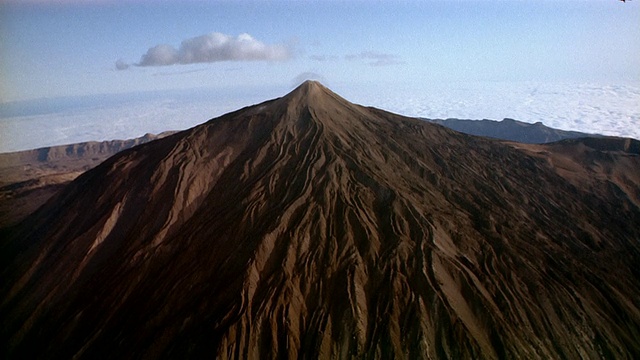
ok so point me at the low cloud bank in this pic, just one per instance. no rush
(209, 48)
(610, 109)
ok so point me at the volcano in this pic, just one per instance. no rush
(311, 227)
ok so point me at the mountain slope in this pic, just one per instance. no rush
(29, 178)
(308, 226)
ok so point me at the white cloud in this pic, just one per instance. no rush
(607, 109)
(123, 116)
(214, 47)
(160, 55)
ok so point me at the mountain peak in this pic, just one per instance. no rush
(311, 85)
(313, 93)
(317, 228)
(310, 88)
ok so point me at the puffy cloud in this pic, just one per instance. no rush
(376, 58)
(212, 48)
(160, 55)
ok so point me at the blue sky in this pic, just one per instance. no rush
(70, 48)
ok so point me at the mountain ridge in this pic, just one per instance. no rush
(29, 178)
(307, 226)
(512, 130)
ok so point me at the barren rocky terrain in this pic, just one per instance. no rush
(29, 178)
(310, 227)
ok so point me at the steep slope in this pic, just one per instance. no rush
(310, 227)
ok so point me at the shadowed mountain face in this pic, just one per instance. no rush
(513, 130)
(310, 227)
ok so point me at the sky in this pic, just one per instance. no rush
(76, 52)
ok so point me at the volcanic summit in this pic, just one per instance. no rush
(311, 227)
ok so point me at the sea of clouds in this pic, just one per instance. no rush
(605, 109)
(591, 108)
(41, 123)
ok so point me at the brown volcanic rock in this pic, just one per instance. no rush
(310, 227)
